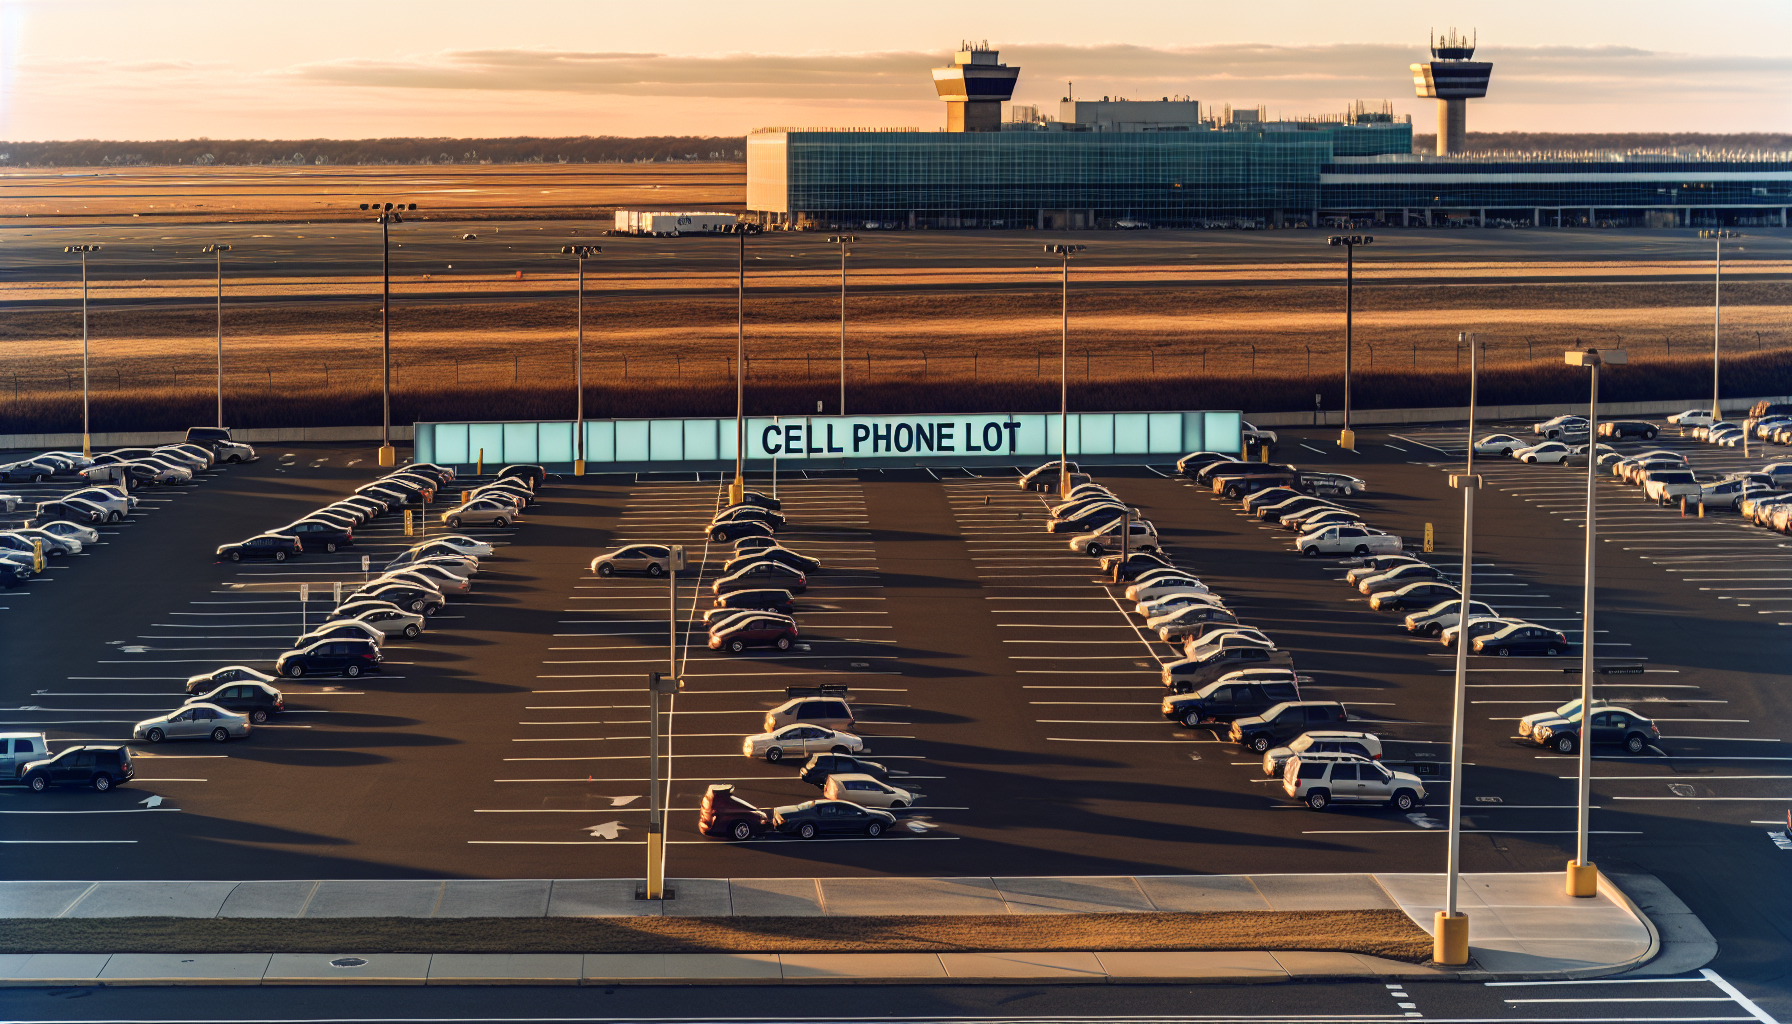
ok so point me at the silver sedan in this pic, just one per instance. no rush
(194, 722)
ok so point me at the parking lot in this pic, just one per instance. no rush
(991, 671)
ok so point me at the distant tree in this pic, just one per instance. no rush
(203, 152)
(1614, 142)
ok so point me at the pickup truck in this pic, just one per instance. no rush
(17, 749)
(1347, 540)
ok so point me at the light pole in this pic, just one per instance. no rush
(1717, 313)
(1064, 251)
(387, 214)
(1450, 931)
(1583, 877)
(581, 253)
(738, 489)
(844, 240)
(86, 437)
(217, 251)
(1347, 439)
(659, 685)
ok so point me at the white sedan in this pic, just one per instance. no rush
(1161, 585)
(1141, 537)
(1499, 444)
(73, 531)
(1167, 603)
(480, 511)
(1219, 639)
(1691, 418)
(464, 544)
(1347, 539)
(1548, 451)
(800, 741)
(392, 621)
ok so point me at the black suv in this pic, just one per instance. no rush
(321, 533)
(99, 767)
(277, 546)
(344, 657)
(771, 600)
(820, 766)
(1282, 723)
(1226, 699)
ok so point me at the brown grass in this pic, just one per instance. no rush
(1383, 933)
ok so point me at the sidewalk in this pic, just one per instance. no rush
(1521, 925)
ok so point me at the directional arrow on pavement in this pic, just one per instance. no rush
(608, 830)
(152, 801)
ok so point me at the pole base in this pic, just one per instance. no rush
(388, 455)
(87, 446)
(1450, 939)
(578, 467)
(1347, 439)
(1583, 879)
(665, 894)
(737, 491)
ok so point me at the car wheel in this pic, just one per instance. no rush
(1191, 719)
(1232, 492)
(1506, 453)
(774, 754)
(1564, 744)
(258, 716)
(236, 556)
(295, 670)
(37, 783)
(454, 522)
(154, 735)
(1259, 743)
(1550, 651)
(897, 805)
(279, 556)
(1635, 743)
(737, 646)
(330, 547)
(741, 831)
(1310, 552)
(1318, 799)
(783, 643)
(114, 517)
(1094, 550)
(411, 631)
(102, 783)
(220, 734)
(500, 522)
(1504, 652)
(805, 831)
(874, 829)
(352, 671)
(654, 569)
(1403, 801)
(1435, 629)
(838, 750)
(1648, 435)
(417, 605)
(605, 570)
(1361, 550)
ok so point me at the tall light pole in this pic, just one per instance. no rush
(1347, 439)
(387, 214)
(1450, 931)
(1717, 314)
(86, 436)
(581, 253)
(1065, 252)
(217, 251)
(738, 489)
(1583, 877)
(844, 241)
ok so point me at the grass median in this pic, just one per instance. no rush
(1384, 933)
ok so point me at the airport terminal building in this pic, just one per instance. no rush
(1170, 164)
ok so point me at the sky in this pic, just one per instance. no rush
(298, 69)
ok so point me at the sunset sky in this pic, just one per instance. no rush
(158, 69)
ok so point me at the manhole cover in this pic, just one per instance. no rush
(348, 961)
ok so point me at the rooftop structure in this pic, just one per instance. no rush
(1452, 78)
(974, 86)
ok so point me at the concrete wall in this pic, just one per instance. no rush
(1734, 407)
(270, 435)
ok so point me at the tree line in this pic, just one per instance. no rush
(1615, 142)
(204, 152)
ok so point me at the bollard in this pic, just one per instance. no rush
(1683, 506)
(466, 496)
(407, 523)
(1428, 538)
(1701, 508)
(479, 467)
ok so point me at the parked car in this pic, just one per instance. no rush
(1235, 695)
(8, 502)
(754, 629)
(193, 722)
(1044, 477)
(1204, 476)
(1612, 726)
(74, 531)
(1189, 675)
(1499, 444)
(1423, 594)
(866, 792)
(769, 599)
(480, 511)
(1375, 565)
(1194, 462)
(1399, 576)
(29, 471)
(411, 596)
(1561, 426)
(815, 817)
(462, 545)
(12, 574)
(73, 510)
(800, 741)
(761, 575)
(723, 813)
(1523, 638)
(535, 475)
(1691, 418)
(1134, 563)
(1158, 586)
(390, 620)
(1313, 517)
(820, 766)
(1286, 721)
(1227, 636)
(1253, 476)
(764, 515)
(205, 682)
(1175, 626)
(1255, 502)
(1141, 536)
(1347, 539)
(1547, 452)
(355, 605)
(735, 529)
(1477, 628)
(828, 712)
(1528, 724)
(1318, 780)
(464, 566)
(343, 657)
(1087, 517)
(277, 546)
(426, 586)
(1669, 485)
(1439, 617)
(101, 767)
(17, 749)
(342, 629)
(1333, 483)
(111, 499)
(33, 539)
(441, 577)
(1629, 428)
(318, 532)
(1366, 745)
(1165, 603)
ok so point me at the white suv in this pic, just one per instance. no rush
(1319, 779)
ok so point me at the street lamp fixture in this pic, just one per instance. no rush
(580, 253)
(83, 250)
(217, 251)
(843, 241)
(1347, 439)
(738, 489)
(1064, 252)
(1583, 877)
(387, 214)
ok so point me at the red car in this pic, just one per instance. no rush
(763, 630)
(724, 814)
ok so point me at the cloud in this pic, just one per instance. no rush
(1234, 72)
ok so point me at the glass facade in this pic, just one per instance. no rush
(1634, 183)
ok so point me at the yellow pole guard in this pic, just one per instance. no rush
(407, 523)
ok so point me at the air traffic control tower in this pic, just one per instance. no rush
(1452, 78)
(974, 87)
